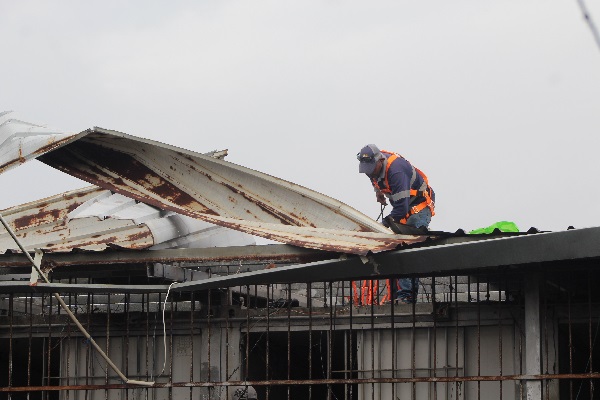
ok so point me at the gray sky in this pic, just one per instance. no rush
(498, 102)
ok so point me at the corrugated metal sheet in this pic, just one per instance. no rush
(94, 219)
(220, 192)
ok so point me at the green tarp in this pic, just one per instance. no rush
(503, 226)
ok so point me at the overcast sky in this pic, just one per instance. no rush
(498, 102)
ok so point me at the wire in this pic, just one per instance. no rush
(381, 213)
(588, 18)
(165, 331)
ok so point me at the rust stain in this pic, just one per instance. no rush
(284, 218)
(141, 238)
(54, 260)
(126, 167)
(207, 176)
(144, 233)
(327, 244)
(52, 144)
(9, 164)
(40, 218)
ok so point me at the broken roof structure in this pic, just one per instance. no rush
(199, 186)
(96, 219)
(152, 226)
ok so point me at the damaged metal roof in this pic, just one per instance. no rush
(22, 141)
(94, 219)
(205, 188)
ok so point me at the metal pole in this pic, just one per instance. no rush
(533, 366)
(68, 311)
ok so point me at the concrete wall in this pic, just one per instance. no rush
(142, 358)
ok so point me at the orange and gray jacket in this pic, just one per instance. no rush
(406, 187)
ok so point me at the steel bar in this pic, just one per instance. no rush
(479, 338)
(456, 355)
(500, 334)
(244, 255)
(544, 293)
(289, 337)
(10, 344)
(192, 312)
(171, 347)
(285, 382)
(590, 366)
(25, 287)
(310, 339)
(29, 341)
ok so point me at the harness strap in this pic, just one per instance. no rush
(389, 161)
(428, 202)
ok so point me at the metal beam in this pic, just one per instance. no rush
(222, 256)
(277, 253)
(24, 287)
(515, 251)
(533, 336)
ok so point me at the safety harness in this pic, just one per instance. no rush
(424, 190)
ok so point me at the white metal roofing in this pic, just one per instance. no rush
(215, 191)
(94, 219)
(21, 141)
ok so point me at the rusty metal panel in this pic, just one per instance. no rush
(221, 193)
(48, 211)
(204, 187)
(47, 224)
(43, 223)
(94, 219)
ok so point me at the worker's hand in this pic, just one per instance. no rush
(381, 198)
(385, 222)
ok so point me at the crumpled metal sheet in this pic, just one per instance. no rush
(95, 219)
(220, 192)
(21, 141)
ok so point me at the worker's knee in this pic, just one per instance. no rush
(420, 219)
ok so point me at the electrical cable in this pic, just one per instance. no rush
(381, 213)
(165, 331)
(588, 18)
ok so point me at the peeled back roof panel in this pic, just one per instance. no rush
(219, 192)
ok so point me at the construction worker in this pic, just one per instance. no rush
(407, 190)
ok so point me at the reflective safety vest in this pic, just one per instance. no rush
(424, 190)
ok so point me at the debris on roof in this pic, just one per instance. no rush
(204, 188)
(500, 226)
(94, 219)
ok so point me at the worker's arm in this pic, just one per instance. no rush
(380, 197)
